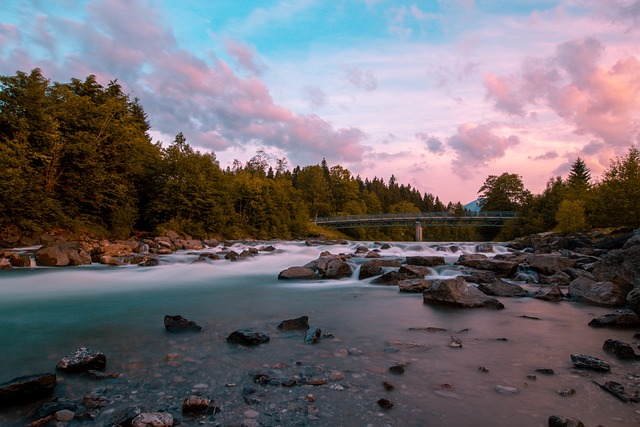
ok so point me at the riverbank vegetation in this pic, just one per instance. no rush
(78, 156)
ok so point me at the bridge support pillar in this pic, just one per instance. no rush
(418, 231)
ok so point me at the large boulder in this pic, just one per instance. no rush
(621, 350)
(500, 288)
(26, 388)
(620, 319)
(20, 260)
(458, 293)
(83, 359)
(549, 264)
(607, 294)
(549, 293)
(425, 261)
(501, 268)
(619, 266)
(62, 254)
(370, 269)
(298, 273)
(329, 266)
(633, 298)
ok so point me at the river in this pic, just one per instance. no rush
(46, 313)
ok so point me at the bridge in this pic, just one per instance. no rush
(418, 220)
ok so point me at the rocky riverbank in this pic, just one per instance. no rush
(582, 269)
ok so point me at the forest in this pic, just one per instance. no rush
(78, 156)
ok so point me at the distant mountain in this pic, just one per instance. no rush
(473, 206)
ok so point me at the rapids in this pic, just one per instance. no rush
(46, 313)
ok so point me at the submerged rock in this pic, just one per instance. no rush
(248, 337)
(619, 319)
(589, 362)
(195, 404)
(549, 293)
(620, 349)
(457, 292)
(313, 335)
(178, 323)
(26, 388)
(560, 421)
(300, 323)
(153, 419)
(82, 360)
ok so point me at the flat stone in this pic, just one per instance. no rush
(26, 388)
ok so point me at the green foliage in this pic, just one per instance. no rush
(79, 156)
(571, 217)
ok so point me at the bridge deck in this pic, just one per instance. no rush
(429, 219)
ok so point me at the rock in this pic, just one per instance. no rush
(589, 362)
(549, 293)
(62, 254)
(484, 247)
(125, 416)
(149, 262)
(567, 391)
(298, 273)
(153, 419)
(501, 268)
(559, 278)
(313, 335)
(5, 264)
(385, 403)
(457, 292)
(337, 269)
(560, 421)
(414, 271)
(619, 266)
(619, 319)
(232, 256)
(620, 349)
(64, 415)
(20, 260)
(83, 359)
(500, 288)
(425, 261)
(549, 264)
(633, 298)
(414, 285)
(195, 405)
(506, 390)
(370, 269)
(300, 323)
(178, 323)
(545, 371)
(397, 369)
(50, 408)
(26, 388)
(479, 276)
(248, 337)
(372, 254)
(606, 294)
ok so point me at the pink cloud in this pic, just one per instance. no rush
(245, 56)
(599, 101)
(476, 145)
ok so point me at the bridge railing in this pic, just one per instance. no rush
(415, 215)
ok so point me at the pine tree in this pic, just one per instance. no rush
(579, 180)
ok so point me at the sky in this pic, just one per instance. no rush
(438, 93)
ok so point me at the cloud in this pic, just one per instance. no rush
(364, 80)
(434, 145)
(624, 11)
(546, 156)
(244, 56)
(204, 98)
(597, 100)
(316, 96)
(477, 145)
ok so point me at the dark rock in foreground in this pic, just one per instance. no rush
(589, 362)
(313, 335)
(180, 324)
(82, 360)
(620, 349)
(300, 323)
(457, 292)
(247, 337)
(26, 388)
(619, 319)
(560, 421)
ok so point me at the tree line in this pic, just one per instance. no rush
(78, 156)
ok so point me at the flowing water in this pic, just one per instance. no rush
(46, 313)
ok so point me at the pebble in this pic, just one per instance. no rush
(65, 415)
(566, 391)
(251, 414)
(506, 390)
